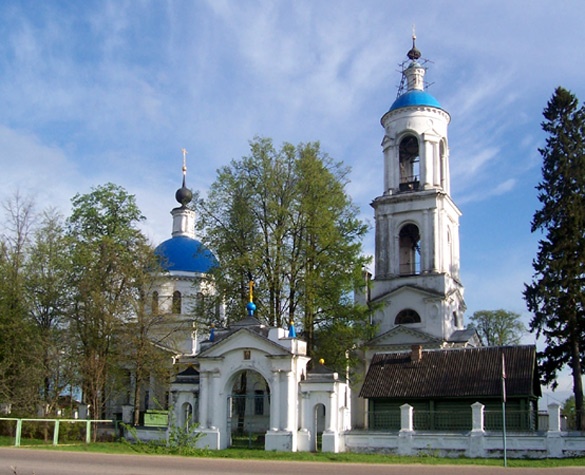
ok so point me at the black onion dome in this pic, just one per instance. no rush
(414, 53)
(184, 195)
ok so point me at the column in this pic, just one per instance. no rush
(426, 241)
(275, 402)
(331, 414)
(438, 240)
(427, 165)
(290, 424)
(203, 395)
(477, 415)
(406, 424)
(554, 417)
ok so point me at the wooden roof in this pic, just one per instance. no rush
(453, 373)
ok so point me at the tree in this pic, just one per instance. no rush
(146, 335)
(556, 296)
(48, 297)
(107, 278)
(498, 327)
(19, 368)
(568, 412)
(284, 217)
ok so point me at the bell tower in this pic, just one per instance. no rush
(416, 278)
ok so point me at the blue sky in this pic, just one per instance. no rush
(99, 91)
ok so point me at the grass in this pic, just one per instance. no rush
(126, 448)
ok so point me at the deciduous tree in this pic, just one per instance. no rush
(284, 217)
(48, 298)
(498, 327)
(107, 279)
(19, 368)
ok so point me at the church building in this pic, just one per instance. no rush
(250, 378)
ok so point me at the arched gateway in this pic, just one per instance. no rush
(252, 378)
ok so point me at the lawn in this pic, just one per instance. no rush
(126, 448)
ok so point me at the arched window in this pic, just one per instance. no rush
(455, 320)
(154, 303)
(187, 415)
(176, 301)
(409, 162)
(407, 316)
(409, 250)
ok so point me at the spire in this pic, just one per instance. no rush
(292, 332)
(414, 53)
(414, 73)
(183, 217)
(183, 194)
(251, 306)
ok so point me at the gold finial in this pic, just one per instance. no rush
(321, 361)
(251, 290)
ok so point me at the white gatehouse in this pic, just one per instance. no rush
(253, 379)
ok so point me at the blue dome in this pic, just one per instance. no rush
(182, 253)
(415, 98)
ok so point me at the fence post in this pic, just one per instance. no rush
(56, 433)
(88, 431)
(554, 417)
(406, 424)
(477, 415)
(18, 433)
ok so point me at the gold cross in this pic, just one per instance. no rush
(184, 160)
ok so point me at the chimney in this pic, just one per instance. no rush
(416, 353)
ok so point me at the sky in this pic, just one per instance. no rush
(110, 91)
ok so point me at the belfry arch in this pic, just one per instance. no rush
(409, 163)
(409, 249)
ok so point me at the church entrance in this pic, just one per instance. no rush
(248, 410)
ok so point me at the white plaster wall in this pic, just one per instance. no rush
(537, 445)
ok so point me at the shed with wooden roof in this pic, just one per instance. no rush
(441, 385)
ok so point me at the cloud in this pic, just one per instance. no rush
(499, 189)
(35, 170)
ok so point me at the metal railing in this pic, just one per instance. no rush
(453, 421)
(442, 420)
(517, 421)
(55, 424)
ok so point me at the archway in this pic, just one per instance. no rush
(187, 418)
(248, 410)
(409, 250)
(409, 161)
(318, 427)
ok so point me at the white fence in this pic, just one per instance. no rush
(553, 443)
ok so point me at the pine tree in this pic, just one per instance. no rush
(556, 296)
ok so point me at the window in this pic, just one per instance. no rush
(409, 161)
(176, 301)
(409, 250)
(154, 303)
(407, 316)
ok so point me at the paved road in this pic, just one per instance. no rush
(21, 461)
